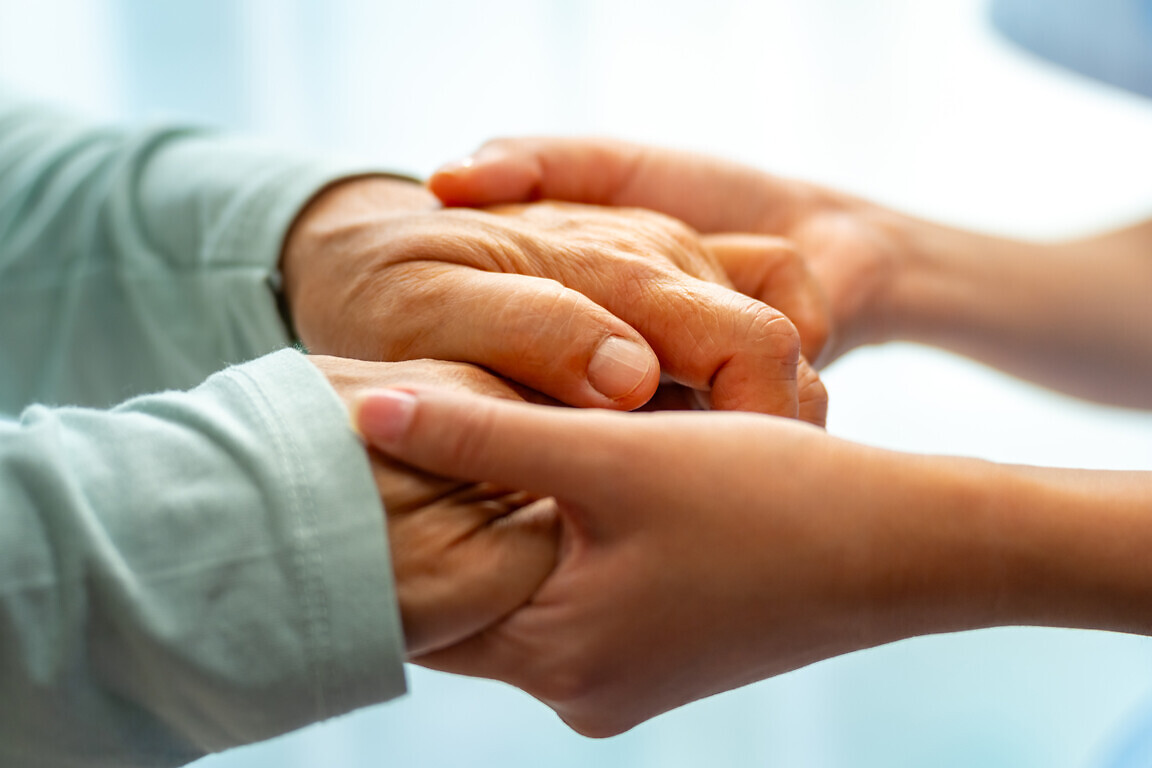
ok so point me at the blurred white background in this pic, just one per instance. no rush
(920, 105)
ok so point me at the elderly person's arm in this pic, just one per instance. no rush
(192, 571)
(195, 570)
(165, 239)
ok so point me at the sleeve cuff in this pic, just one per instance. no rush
(354, 634)
(232, 211)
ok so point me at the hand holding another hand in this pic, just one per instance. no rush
(734, 561)
(586, 305)
(464, 554)
(833, 286)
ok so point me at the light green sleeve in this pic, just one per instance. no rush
(136, 260)
(189, 571)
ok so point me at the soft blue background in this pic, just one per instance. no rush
(918, 104)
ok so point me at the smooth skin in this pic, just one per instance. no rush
(703, 551)
(587, 305)
(1072, 315)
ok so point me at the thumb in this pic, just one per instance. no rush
(710, 194)
(471, 437)
(522, 170)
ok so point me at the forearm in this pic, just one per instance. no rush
(188, 572)
(967, 544)
(1076, 547)
(1074, 315)
(137, 260)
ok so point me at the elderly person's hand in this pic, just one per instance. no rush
(851, 247)
(886, 276)
(464, 554)
(584, 304)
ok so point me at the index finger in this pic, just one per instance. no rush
(711, 338)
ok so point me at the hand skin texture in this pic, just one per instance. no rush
(1072, 315)
(584, 304)
(464, 554)
(766, 546)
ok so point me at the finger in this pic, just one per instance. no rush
(813, 405)
(514, 445)
(770, 269)
(458, 577)
(532, 330)
(707, 336)
(710, 194)
(710, 338)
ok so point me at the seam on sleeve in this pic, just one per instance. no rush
(306, 556)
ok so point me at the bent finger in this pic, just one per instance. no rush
(813, 397)
(476, 574)
(713, 339)
(771, 270)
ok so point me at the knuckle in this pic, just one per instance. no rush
(812, 389)
(774, 334)
(815, 330)
(681, 233)
(813, 405)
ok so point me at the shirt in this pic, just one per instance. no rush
(189, 570)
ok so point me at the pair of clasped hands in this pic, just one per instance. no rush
(615, 565)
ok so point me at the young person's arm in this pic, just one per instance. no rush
(701, 552)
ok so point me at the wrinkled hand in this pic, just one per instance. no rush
(851, 247)
(584, 304)
(683, 572)
(464, 554)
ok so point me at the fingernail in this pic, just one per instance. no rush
(382, 416)
(457, 165)
(619, 367)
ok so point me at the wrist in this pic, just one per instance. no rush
(323, 227)
(1073, 547)
(959, 544)
(343, 204)
(931, 562)
(951, 287)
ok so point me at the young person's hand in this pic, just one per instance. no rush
(702, 551)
